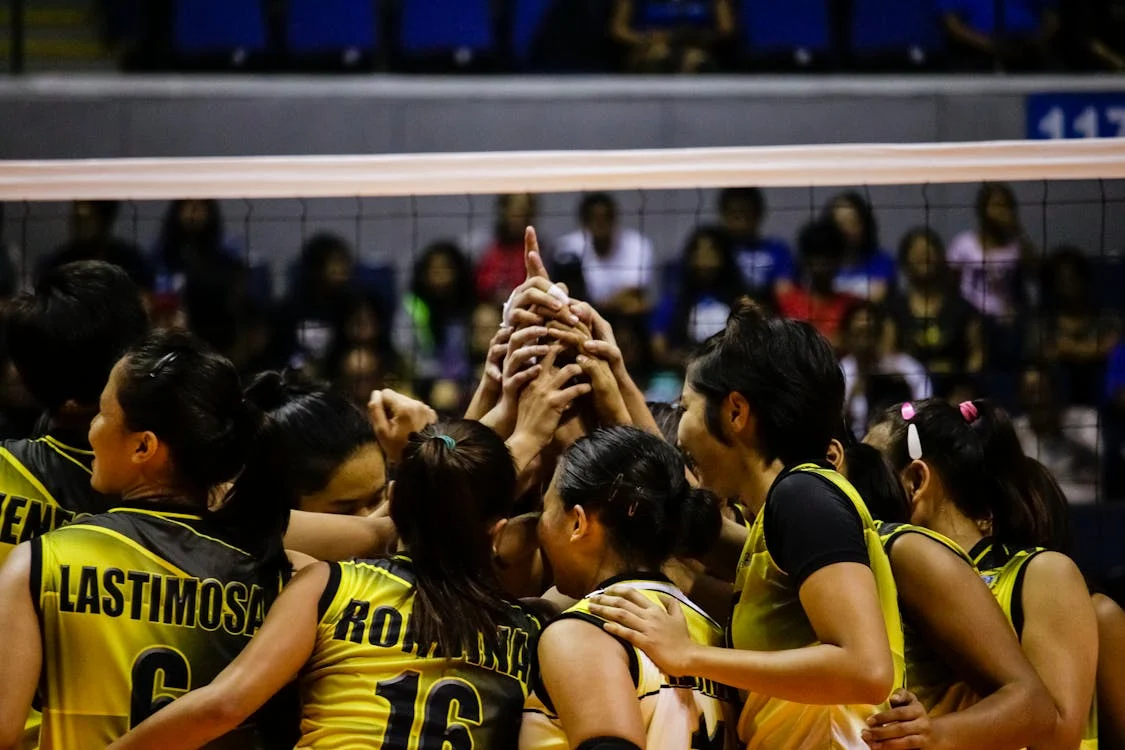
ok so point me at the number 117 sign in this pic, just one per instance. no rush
(1054, 116)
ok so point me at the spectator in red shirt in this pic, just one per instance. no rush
(501, 267)
(815, 300)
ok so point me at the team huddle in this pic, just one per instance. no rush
(192, 560)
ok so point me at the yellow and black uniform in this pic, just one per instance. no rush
(44, 484)
(684, 713)
(136, 608)
(928, 676)
(812, 518)
(1003, 569)
(369, 684)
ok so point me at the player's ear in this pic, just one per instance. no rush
(836, 455)
(495, 533)
(146, 447)
(581, 523)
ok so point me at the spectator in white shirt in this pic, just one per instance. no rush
(604, 263)
(1065, 439)
(872, 358)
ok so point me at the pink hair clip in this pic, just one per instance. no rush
(908, 412)
(969, 411)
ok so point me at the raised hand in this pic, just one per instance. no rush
(542, 403)
(519, 368)
(395, 416)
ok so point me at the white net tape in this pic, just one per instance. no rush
(559, 171)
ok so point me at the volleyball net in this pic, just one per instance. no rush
(368, 270)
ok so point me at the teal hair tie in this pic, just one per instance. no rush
(450, 443)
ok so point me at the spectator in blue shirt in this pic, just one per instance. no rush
(699, 307)
(1018, 38)
(766, 263)
(868, 271)
(671, 36)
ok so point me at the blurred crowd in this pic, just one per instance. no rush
(981, 311)
(643, 36)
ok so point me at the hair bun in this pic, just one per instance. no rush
(701, 521)
(271, 390)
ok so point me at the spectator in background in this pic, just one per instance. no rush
(324, 287)
(766, 263)
(1065, 439)
(992, 262)
(195, 261)
(434, 334)
(868, 271)
(709, 285)
(501, 269)
(1018, 37)
(672, 36)
(486, 321)
(869, 355)
(1096, 30)
(929, 319)
(358, 324)
(816, 300)
(92, 238)
(603, 263)
(1073, 333)
(11, 265)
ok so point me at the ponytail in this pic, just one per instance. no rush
(455, 480)
(874, 479)
(701, 521)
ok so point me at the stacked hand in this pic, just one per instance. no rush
(396, 416)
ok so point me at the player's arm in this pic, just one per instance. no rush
(21, 651)
(325, 536)
(271, 660)
(957, 614)
(850, 665)
(586, 674)
(1111, 671)
(1060, 639)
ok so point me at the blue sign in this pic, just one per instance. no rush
(1054, 116)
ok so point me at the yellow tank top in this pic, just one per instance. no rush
(768, 616)
(136, 608)
(368, 684)
(1003, 569)
(928, 676)
(685, 713)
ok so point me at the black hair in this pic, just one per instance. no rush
(175, 386)
(590, 201)
(751, 195)
(445, 497)
(821, 239)
(1062, 256)
(667, 418)
(785, 370)
(463, 297)
(502, 202)
(315, 254)
(175, 239)
(1046, 495)
(877, 313)
(870, 241)
(727, 286)
(636, 485)
(918, 233)
(66, 335)
(983, 472)
(986, 192)
(318, 428)
(874, 479)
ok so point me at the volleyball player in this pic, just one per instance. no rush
(109, 618)
(327, 444)
(816, 631)
(419, 649)
(963, 662)
(960, 486)
(618, 508)
(64, 338)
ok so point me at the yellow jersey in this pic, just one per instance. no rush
(684, 713)
(44, 484)
(1003, 569)
(369, 684)
(768, 616)
(136, 608)
(928, 676)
